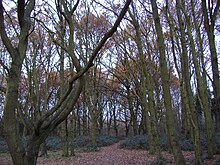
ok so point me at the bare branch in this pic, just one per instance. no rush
(216, 10)
(74, 7)
(3, 33)
(102, 42)
(81, 73)
(4, 66)
(2, 89)
(21, 7)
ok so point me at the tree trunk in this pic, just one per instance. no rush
(78, 122)
(84, 118)
(94, 128)
(72, 134)
(64, 136)
(115, 121)
(132, 113)
(30, 158)
(178, 156)
(43, 149)
(127, 123)
(147, 90)
(108, 121)
(22, 154)
(209, 24)
(202, 89)
(186, 88)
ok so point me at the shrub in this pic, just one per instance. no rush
(53, 142)
(217, 140)
(203, 140)
(186, 144)
(163, 143)
(141, 142)
(107, 140)
(82, 141)
(135, 142)
(85, 142)
(90, 148)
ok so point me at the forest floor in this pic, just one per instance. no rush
(110, 155)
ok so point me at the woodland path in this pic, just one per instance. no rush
(110, 155)
(114, 155)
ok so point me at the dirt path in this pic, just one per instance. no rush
(111, 155)
(114, 155)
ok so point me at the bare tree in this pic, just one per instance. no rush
(24, 148)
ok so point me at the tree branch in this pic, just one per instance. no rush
(4, 66)
(89, 64)
(102, 42)
(2, 89)
(74, 7)
(20, 11)
(3, 33)
(216, 11)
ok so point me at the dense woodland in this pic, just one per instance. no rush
(91, 68)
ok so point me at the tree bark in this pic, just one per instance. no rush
(209, 24)
(147, 90)
(202, 90)
(178, 156)
(188, 96)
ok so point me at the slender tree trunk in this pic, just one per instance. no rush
(84, 119)
(65, 139)
(115, 121)
(132, 111)
(209, 24)
(188, 95)
(146, 84)
(72, 134)
(203, 94)
(178, 156)
(94, 128)
(127, 123)
(185, 119)
(108, 121)
(78, 122)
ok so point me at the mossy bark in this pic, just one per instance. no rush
(146, 89)
(210, 16)
(186, 89)
(202, 88)
(72, 134)
(178, 156)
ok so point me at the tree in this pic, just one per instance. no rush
(203, 94)
(178, 156)
(24, 148)
(187, 91)
(146, 88)
(210, 14)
